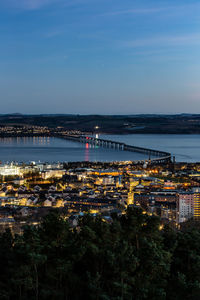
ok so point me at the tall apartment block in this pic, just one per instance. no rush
(185, 206)
(196, 191)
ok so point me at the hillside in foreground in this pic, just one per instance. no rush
(132, 257)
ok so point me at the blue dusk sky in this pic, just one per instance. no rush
(100, 56)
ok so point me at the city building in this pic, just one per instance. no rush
(196, 191)
(185, 206)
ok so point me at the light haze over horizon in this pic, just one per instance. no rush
(100, 56)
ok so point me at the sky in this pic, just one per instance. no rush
(100, 56)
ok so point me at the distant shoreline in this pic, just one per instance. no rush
(125, 124)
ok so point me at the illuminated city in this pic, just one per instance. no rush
(169, 190)
(100, 150)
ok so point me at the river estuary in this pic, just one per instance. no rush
(44, 149)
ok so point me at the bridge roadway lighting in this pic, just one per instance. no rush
(163, 156)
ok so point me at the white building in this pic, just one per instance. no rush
(9, 170)
(108, 180)
(53, 173)
(185, 206)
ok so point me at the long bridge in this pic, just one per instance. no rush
(159, 156)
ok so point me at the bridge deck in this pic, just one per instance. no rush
(162, 156)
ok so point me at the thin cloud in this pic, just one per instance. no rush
(55, 32)
(186, 40)
(179, 9)
(134, 11)
(28, 4)
(37, 4)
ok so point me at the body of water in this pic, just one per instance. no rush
(184, 147)
(44, 149)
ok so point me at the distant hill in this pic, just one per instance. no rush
(113, 124)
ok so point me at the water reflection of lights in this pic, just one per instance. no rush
(6, 141)
(87, 154)
(35, 140)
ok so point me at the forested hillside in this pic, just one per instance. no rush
(131, 258)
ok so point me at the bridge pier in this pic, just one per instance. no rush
(163, 157)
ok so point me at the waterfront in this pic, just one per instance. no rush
(184, 147)
(47, 149)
